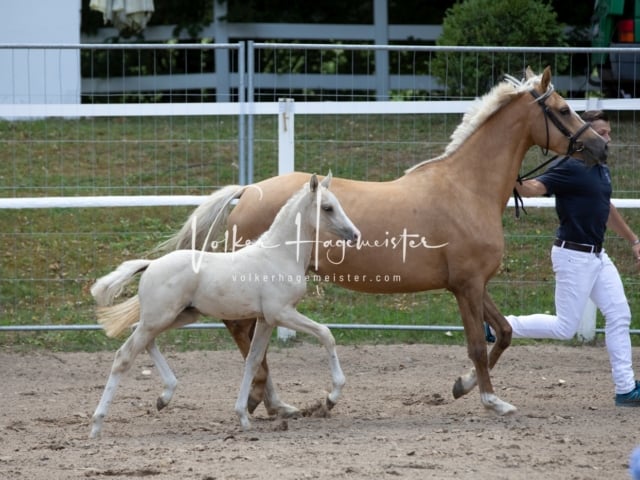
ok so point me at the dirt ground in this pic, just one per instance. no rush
(396, 418)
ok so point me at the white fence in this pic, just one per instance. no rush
(248, 110)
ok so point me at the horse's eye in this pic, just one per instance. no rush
(565, 111)
(327, 208)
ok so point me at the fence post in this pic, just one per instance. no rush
(286, 162)
(221, 57)
(587, 328)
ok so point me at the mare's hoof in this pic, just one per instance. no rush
(252, 404)
(330, 404)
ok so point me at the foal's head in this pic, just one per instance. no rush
(327, 214)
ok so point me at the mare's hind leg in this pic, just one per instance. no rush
(470, 298)
(465, 383)
(500, 326)
(124, 357)
(262, 387)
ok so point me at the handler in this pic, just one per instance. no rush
(582, 267)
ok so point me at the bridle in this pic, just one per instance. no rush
(574, 144)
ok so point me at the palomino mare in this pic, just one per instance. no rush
(264, 280)
(454, 202)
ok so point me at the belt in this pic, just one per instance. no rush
(579, 247)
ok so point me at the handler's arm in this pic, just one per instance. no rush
(618, 225)
(531, 188)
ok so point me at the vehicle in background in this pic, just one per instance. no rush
(616, 24)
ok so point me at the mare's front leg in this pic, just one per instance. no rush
(258, 348)
(493, 317)
(262, 386)
(470, 296)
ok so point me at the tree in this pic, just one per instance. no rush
(495, 23)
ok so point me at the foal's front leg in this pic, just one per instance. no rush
(291, 318)
(262, 387)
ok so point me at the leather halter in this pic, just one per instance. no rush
(574, 145)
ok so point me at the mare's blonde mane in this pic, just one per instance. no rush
(481, 110)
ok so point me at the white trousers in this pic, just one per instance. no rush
(580, 276)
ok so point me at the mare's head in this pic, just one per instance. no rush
(556, 126)
(326, 214)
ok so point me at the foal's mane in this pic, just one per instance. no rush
(499, 96)
(282, 213)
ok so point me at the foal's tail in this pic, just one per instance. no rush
(210, 220)
(107, 288)
(116, 318)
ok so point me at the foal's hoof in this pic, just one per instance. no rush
(330, 403)
(245, 424)
(458, 390)
(464, 384)
(160, 403)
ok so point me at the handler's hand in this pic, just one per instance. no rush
(636, 253)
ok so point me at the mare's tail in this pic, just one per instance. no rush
(116, 318)
(210, 220)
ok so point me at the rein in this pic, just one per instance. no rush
(519, 202)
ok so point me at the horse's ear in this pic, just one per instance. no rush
(528, 73)
(326, 181)
(546, 78)
(313, 183)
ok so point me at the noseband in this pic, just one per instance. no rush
(574, 145)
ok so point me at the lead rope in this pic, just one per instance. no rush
(517, 198)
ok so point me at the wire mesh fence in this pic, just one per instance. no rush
(196, 145)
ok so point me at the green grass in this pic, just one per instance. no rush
(52, 256)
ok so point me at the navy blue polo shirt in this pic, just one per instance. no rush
(583, 196)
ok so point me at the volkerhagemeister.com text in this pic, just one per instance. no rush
(315, 277)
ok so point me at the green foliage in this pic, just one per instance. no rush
(495, 23)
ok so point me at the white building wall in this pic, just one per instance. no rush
(39, 75)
